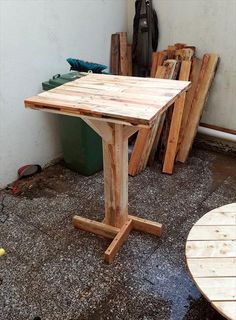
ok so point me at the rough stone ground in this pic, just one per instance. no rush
(52, 271)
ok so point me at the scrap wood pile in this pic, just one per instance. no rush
(171, 137)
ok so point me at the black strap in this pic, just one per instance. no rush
(155, 30)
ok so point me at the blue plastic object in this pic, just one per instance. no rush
(85, 66)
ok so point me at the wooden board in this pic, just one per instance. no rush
(148, 226)
(207, 73)
(134, 162)
(205, 232)
(175, 125)
(211, 258)
(184, 54)
(208, 249)
(225, 216)
(131, 99)
(167, 70)
(218, 288)
(219, 232)
(167, 116)
(154, 64)
(146, 137)
(195, 71)
(148, 145)
(158, 60)
(156, 140)
(162, 56)
(129, 57)
(226, 308)
(115, 53)
(99, 228)
(115, 170)
(171, 51)
(124, 64)
(117, 242)
(212, 267)
(179, 45)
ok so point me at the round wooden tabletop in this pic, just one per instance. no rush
(211, 258)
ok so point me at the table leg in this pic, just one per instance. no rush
(115, 166)
(117, 223)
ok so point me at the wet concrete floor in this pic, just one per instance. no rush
(52, 271)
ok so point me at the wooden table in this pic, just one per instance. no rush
(115, 107)
(211, 258)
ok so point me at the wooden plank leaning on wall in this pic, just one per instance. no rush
(176, 122)
(145, 138)
(206, 76)
(171, 135)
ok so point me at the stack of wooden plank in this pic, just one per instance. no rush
(171, 137)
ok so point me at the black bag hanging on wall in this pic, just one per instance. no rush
(145, 37)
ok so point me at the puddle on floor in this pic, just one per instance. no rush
(222, 167)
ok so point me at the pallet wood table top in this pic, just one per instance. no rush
(135, 100)
(211, 258)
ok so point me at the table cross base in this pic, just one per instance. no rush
(119, 235)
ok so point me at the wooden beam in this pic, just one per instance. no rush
(99, 228)
(168, 113)
(156, 140)
(184, 54)
(102, 128)
(212, 267)
(226, 308)
(195, 71)
(149, 144)
(179, 46)
(171, 52)
(129, 57)
(124, 68)
(154, 64)
(115, 170)
(117, 242)
(129, 131)
(176, 122)
(207, 73)
(137, 151)
(162, 56)
(167, 70)
(191, 47)
(115, 53)
(146, 225)
(146, 136)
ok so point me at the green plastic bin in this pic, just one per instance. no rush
(81, 145)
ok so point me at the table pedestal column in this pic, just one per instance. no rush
(117, 223)
(115, 166)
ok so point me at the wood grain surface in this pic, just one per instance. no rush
(132, 99)
(211, 258)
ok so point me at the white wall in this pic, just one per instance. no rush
(210, 25)
(36, 36)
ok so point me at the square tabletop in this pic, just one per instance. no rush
(135, 100)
